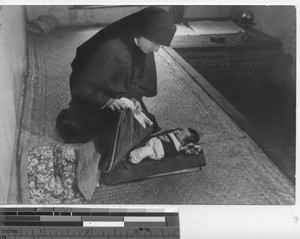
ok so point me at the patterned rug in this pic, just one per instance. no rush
(51, 175)
(237, 171)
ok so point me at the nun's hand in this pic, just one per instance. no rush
(116, 104)
(137, 107)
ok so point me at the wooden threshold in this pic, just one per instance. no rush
(276, 155)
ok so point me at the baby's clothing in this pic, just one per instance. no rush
(156, 148)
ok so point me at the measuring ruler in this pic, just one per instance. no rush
(100, 223)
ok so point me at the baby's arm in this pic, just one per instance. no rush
(158, 151)
(141, 153)
(153, 150)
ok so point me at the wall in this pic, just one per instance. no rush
(278, 22)
(12, 66)
(207, 12)
(236, 70)
(68, 16)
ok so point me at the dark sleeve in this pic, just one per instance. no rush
(92, 80)
(146, 84)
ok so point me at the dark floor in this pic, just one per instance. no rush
(273, 115)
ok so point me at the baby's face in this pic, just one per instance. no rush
(182, 134)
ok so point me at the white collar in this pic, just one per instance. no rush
(136, 42)
(176, 141)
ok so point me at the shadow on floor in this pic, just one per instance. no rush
(274, 117)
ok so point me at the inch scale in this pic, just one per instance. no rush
(92, 223)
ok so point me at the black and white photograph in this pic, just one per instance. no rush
(148, 104)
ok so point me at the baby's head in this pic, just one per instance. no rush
(187, 135)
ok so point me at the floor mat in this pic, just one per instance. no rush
(237, 170)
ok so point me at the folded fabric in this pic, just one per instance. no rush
(87, 171)
(141, 118)
(42, 25)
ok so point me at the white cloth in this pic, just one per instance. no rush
(176, 142)
(141, 118)
(214, 27)
(153, 150)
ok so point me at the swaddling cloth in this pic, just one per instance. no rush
(141, 118)
(153, 150)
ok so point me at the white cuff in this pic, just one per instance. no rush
(141, 118)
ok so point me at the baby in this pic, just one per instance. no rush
(164, 145)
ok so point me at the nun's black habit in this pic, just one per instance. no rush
(111, 65)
